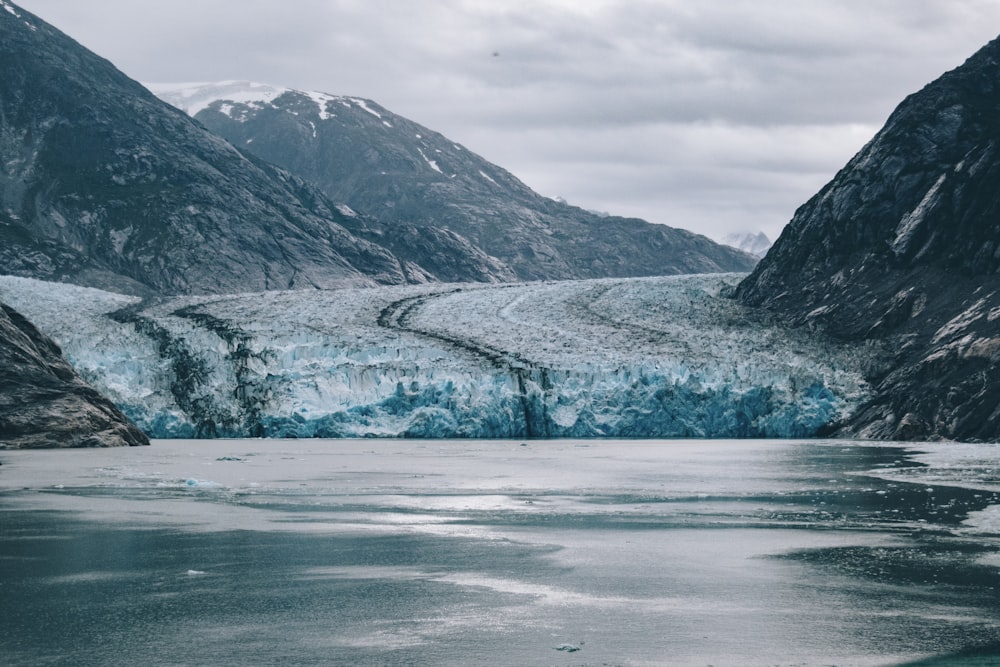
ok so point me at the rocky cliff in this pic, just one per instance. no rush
(44, 403)
(417, 183)
(902, 248)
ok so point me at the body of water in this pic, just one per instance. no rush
(591, 552)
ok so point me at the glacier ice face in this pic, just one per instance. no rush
(645, 357)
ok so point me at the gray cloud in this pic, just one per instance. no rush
(715, 115)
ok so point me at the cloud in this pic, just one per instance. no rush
(716, 115)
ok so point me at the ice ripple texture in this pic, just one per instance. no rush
(649, 357)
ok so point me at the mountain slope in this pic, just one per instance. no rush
(405, 175)
(104, 184)
(44, 403)
(903, 246)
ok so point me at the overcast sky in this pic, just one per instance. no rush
(712, 115)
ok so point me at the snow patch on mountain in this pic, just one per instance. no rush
(321, 100)
(193, 97)
(363, 105)
(433, 163)
(10, 9)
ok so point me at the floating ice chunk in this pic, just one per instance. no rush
(985, 521)
(569, 648)
(201, 483)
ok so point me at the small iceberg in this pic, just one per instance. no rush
(569, 648)
(201, 483)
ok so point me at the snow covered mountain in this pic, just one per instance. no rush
(411, 179)
(650, 357)
(903, 246)
(756, 244)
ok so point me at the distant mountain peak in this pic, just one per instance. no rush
(755, 243)
(192, 98)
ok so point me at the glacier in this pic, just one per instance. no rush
(638, 357)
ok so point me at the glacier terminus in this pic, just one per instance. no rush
(633, 357)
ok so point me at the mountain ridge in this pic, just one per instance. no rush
(404, 176)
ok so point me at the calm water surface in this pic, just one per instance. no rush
(256, 552)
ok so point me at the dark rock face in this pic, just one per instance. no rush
(43, 403)
(903, 247)
(411, 179)
(103, 184)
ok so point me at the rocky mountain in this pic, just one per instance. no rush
(417, 183)
(104, 184)
(902, 247)
(44, 403)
